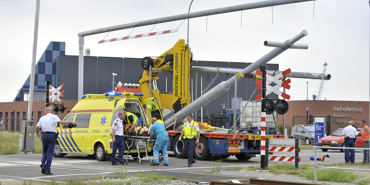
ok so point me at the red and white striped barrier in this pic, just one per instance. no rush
(138, 36)
(263, 133)
(283, 159)
(283, 149)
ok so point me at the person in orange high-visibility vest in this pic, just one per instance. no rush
(191, 134)
(365, 135)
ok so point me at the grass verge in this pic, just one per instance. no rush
(121, 177)
(10, 142)
(331, 175)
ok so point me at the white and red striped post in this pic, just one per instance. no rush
(263, 140)
(263, 119)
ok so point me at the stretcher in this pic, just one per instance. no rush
(138, 143)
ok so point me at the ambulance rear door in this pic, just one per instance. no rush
(152, 107)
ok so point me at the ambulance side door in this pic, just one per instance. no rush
(120, 106)
(80, 135)
(63, 136)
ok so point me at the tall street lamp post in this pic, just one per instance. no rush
(307, 115)
(113, 75)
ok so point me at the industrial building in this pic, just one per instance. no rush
(57, 67)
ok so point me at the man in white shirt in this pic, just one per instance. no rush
(349, 133)
(191, 134)
(117, 136)
(48, 124)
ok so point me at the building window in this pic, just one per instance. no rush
(18, 120)
(39, 115)
(12, 123)
(6, 120)
(24, 116)
(1, 119)
(32, 116)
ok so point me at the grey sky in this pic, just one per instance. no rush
(338, 35)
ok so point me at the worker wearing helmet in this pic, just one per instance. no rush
(131, 119)
(191, 134)
(161, 142)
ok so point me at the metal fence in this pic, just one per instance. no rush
(342, 148)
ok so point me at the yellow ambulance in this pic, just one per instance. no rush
(94, 115)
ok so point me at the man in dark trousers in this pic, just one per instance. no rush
(117, 137)
(48, 124)
(349, 133)
(191, 134)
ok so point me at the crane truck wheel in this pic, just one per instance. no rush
(146, 62)
(243, 157)
(201, 150)
(178, 148)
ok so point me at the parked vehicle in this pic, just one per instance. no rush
(305, 133)
(336, 139)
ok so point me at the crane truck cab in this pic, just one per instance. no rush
(94, 115)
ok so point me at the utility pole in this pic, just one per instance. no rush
(34, 50)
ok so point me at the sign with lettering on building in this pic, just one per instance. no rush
(347, 109)
(319, 128)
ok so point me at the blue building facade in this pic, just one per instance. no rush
(45, 71)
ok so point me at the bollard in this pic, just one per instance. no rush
(267, 153)
(296, 153)
(315, 148)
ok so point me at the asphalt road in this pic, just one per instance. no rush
(25, 167)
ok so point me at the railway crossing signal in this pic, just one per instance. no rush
(54, 94)
(271, 84)
(279, 82)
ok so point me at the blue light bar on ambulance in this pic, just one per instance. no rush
(83, 96)
(113, 94)
(138, 94)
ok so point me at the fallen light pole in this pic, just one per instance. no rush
(224, 86)
(203, 13)
(305, 75)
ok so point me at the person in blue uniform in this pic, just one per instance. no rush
(349, 134)
(47, 124)
(117, 137)
(161, 142)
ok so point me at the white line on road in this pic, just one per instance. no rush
(128, 171)
(2, 180)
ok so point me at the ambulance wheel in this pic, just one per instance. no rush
(178, 148)
(243, 157)
(100, 152)
(58, 151)
(324, 150)
(201, 150)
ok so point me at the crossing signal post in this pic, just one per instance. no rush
(270, 84)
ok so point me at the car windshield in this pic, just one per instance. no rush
(338, 132)
(310, 129)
